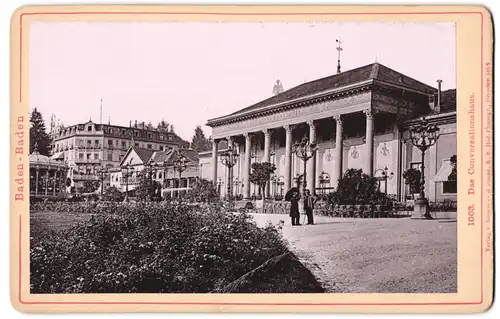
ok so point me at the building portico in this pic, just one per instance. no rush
(355, 117)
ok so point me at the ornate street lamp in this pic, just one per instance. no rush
(423, 136)
(229, 158)
(180, 165)
(384, 176)
(102, 171)
(127, 170)
(305, 150)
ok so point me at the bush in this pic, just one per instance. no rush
(202, 191)
(113, 194)
(356, 188)
(149, 248)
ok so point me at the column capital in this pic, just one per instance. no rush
(288, 128)
(338, 118)
(311, 123)
(247, 135)
(267, 132)
(369, 113)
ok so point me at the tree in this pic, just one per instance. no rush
(38, 134)
(113, 194)
(200, 143)
(413, 178)
(163, 126)
(261, 173)
(202, 191)
(356, 188)
(453, 174)
(148, 189)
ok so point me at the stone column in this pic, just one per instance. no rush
(338, 150)
(247, 166)
(214, 161)
(54, 184)
(36, 181)
(369, 141)
(288, 157)
(46, 182)
(311, 163)
(266, 157)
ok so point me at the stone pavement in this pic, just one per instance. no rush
(397, 255)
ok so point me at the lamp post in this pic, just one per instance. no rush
(180, 165)
(127, 170)
(384, 177)
(102, 171)
(423, 136)
(305, 150)
(229, 158)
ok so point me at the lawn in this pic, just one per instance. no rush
(43, 221)
(376, 255)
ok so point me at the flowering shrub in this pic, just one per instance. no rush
(151, 248)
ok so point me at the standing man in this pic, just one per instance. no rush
(309, 207)
(294, 209)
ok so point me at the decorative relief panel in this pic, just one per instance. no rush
(354, 158)
(294, 114)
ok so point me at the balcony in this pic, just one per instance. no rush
(85, 177)
(87, 161)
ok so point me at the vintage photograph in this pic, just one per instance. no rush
(242, 157)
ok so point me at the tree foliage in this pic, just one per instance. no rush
(113, 194)
(89, 186)
(199, 142)
(453, 174)
(356, 188)
(163, 126)
(38, 134)
(261, 173)
(413, 178)
(202, 191)
(148, 189)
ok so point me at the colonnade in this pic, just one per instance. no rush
(311, 164)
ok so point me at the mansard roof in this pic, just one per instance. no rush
(375, 72)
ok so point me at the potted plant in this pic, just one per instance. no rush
(260, 176)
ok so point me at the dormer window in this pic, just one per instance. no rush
(89, 128)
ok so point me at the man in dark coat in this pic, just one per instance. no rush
(294, 209)
(309, 207)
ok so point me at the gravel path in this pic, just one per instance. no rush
(376, 255)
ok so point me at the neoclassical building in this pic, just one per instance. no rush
(360, 118)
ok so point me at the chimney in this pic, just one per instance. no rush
(438, 102)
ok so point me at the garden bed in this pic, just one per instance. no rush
(158, 248)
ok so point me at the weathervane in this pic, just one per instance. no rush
(339, 48)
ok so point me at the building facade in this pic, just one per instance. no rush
(88, 147)
(138, 161)
(359, 118)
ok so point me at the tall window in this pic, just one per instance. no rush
(110, 157)
(96, 156)
(150, 146)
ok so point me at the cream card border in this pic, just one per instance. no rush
(474, 76)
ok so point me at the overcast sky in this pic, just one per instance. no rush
(187, 73)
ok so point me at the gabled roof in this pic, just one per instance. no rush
(171, 155)
(374, 71)
(143, 153)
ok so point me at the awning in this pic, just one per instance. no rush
(58, 155)
(444, 172)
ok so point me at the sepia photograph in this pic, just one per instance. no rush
(242, 157)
